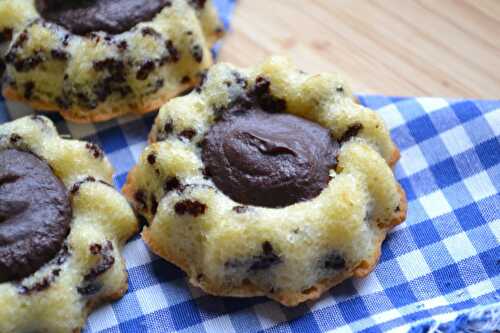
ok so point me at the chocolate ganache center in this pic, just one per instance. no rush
(268, 159)
(35, 214)
(112, 16)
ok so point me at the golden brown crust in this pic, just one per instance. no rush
(103, 112)
(288, 299)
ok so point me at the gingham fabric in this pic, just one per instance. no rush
(444, 260)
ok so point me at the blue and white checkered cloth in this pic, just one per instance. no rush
(443, 261)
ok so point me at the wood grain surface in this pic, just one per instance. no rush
(397, 47)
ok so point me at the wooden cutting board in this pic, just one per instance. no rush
(396, 47)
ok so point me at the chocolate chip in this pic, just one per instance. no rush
(15, 138)
(168, 128)
(148, 31)
(240, 209)
(76, 186)
(185, 79)
(188, 133)
(95, 249)
(267, 259)
(173, 53)
(146, 68)
(122, 46)
(21, 39)
(171, 184)
(105, 263)
(351, 132)
(24, 65)
(95, 150)
(197, 52)
(198, 4)
(89, 289)
(334, 261)
(140, 198)
(66, 39)
(37, 287)
(240, 80)
(2, 67)
(86, 101)
(158, 85)
(154, 205)
(193, 208)
(151, 158)
(262, 94)
(59, 55)
(28, 89)
(6, 35)
(339, 89)
(63, 102)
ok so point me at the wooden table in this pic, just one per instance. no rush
(397, 47)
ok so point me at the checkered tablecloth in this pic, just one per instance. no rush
(443, 261)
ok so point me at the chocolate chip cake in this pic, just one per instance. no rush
(268, 181)
(94, 60)
(62, 226)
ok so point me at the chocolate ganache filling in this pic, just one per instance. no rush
(35, 214)
(112, 16)
(268, 159)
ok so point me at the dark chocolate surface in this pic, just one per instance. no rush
(35, 214)
(268, 159)
(112, 16)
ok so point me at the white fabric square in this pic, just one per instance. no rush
(495, 228)
(456, 140)
(269, 315)
(386, 316)
(368, 285)
(391, 115)
(136, 254)
(81, 130)
(480, 289)
(413, 265)
(493, 118)
(480, 186)
(103, 318)
(431, 104)
(460, 247)
(412, 160)
(435, 204)
(220, 324)
(151, 299)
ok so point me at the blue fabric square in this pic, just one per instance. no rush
(353, 309)
(434, 150)
(112, 139)
(401, 295)
(306, 323)
(466, 110)
(424, 233)
(445, 173)
(444, 120)
(448, 279)
(489, 152)
(422, 128)
(185, 315)
(469, 216)
(491, 261)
